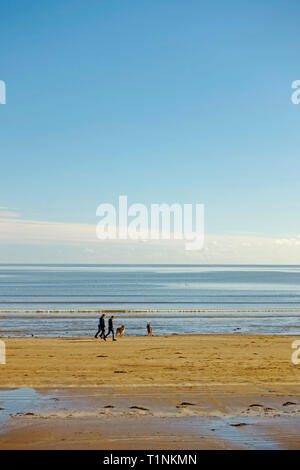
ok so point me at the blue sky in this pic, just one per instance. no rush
(165, 101)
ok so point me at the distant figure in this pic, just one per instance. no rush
(149, 329)
(120, 330)
(101, 327)
(111, 328)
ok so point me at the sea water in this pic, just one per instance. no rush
(66, 300)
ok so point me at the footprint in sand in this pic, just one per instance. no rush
(134, 407)
(184, 404)
(108, 406)
(289, 403)
(256, 405)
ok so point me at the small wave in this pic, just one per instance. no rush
(77, 311)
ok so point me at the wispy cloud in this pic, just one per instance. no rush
(7, 212)
(24, 231)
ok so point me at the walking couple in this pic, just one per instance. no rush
(101, 328)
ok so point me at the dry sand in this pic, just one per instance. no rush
(155, 392)
(158, 361)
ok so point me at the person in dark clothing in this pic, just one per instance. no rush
(111, 328)
(101, 327)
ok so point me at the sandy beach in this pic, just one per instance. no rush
(189, 392)
(150, 188)
(150, 361)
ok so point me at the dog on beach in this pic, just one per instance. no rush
(149, 329)
(121, 330)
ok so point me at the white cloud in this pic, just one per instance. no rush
(295, 241)
(78, 242)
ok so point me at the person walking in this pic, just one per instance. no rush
(111, 328)
(101, 327)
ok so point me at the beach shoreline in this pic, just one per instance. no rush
(179, 392)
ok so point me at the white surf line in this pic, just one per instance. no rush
(172, 385)
(108, 310)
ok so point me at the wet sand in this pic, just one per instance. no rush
(168, 392)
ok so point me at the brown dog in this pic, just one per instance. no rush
(149, 329)
(120, 330)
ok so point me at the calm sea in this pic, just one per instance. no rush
(66, 300)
